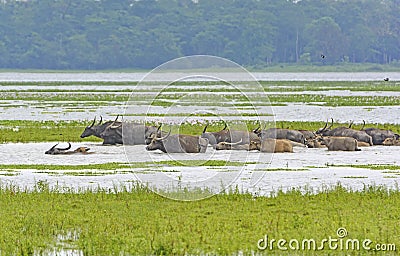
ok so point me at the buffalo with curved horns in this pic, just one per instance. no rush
(65, 151)
(379, 135)
(227, 135)
(96, 130)
(178, 143)
(129, 133)
(278, 133)
(361, 136)
(340, 143)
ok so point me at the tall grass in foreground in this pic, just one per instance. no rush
(137, 221)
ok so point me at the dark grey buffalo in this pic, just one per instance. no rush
(361, 136)
(96, 130)
(278, 133)
(226, 135)
(178, 143)
(379, 135)
(340, 143)
(65, 151)
(128, 133)
(308, 135)
(216, 137)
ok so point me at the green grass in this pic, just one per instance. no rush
(104, 166)
(40, 131)
(377, 167)
(138, 222)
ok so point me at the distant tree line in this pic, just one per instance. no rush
(114, 34)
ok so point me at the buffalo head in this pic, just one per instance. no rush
(55, 151)
(91, 129)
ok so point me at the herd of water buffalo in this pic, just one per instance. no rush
(272, 140)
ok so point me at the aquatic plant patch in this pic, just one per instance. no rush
(368, 166)
(116, 166)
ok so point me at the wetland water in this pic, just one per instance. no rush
(115, 77)
(311, 168)
(315, 169)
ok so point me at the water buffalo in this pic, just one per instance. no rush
(128, 133)
(96, 130)
(362, 144)
(379, 135)
(361, 136)
(391, 142)
(314, 143)
(270, 145)
(340, 143)
(227, 135)
(278, 133)
(64, 151)
(308, 135)
(236, 146)
(178, 143)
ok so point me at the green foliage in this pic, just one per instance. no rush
(136, 221)
(91, 35)
(37, 131)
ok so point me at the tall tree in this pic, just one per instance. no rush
(326, 41)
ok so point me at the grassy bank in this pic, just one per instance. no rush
(141, 222)
(40, 131)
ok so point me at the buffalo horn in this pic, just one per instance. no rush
(112, 124)
(101, 120)
(53, 147)
(258, 128)
(94, 120)
(205, 128)
(158, 128)
(69, 146)
(163, 138)
(116, 126)
(326, 124)
(234, 143)
(330, 126)
(362, 128)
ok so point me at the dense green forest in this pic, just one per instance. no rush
(115, 34)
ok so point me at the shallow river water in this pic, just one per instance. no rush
(311, 169)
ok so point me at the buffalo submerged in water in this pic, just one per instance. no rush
(65, 151)
(379, 135)
(116, 132)
(129, 133)
(230, 136)
(96, 130)
(278, 133)
(178, 143)
(361, 136)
